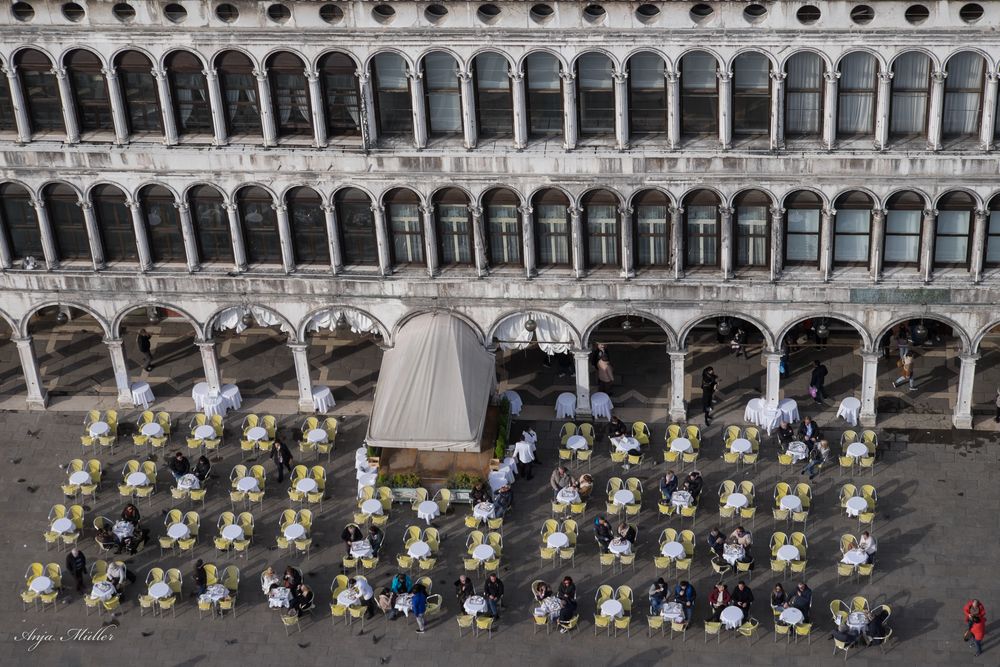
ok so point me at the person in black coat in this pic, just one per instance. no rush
(375, 538)
(179, 466)
(480, 494)
(567, 589)
(351, 534)
(464, 589)
(282, 459)
(76, 564)
(200, 578)
(809, 432)
(202, 468)
(709, 384)
(742, 597)
(493, 592)
(603, 532)
(144, 342)
(817, 378)
(694, 484)
(302, 600)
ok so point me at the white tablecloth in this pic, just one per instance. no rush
(428, 511)
(178, 531)
(279, 597)
(404, 603)
(620, 546)
(247, 484)
(142, 394)
(789, 410)
(372, 506)
(123, 529)
(576, 442)
(317, 435)
(857, 620)
(349, 597)
(294, 531)
(856, 506)
(231, 395)
(367, 479)
(672, 550)
(770, 419)
(857, 450)
(160, 590)
(483, 511)
(151, 430)
(98, 429)
(612, 608)
(210, 405)
(754, 412)
(62, 525)
(204, 432)
(419, 549)
(103, 591)
(306, 485)
(557, 540)
(741, 446)
(798, 450)
(256, 433)
(791, 616)
(732, 553)
(80, 477)
(232, 532)
(787, 552)
(737, 500)
(732, 617)
(499, 478)
(681, 499)
(681, 445)
(322, 399)
(215, 593)
(483, 552)
(791, 503)
(672, 612)
(850, 409)
(361, 549)
(568, 495)
(515, 401)
(624, 497)
(565, 405)
(475, 604)
(600, 405)
(855, 557)
(188, 482)
(41, 584)
(549, 606)
(625, 444)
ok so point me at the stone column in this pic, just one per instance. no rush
(336, 254)
(300, 359)
(45, 231)
(979, 226)
(430, 240)
(673, 108)
(285, 237)
(211, 365)
(141, 239)
(877, 241)
(479, 241)
(236, 234)
(93, 234)
(678, 407)
(470, 133)
(267, 124)
(828, 220)
(778, 110)
(581, 359)
(317, 108)
(927, 230)
(188, 234)
(68, 105)
(6, 261)
(989, 112)
(520, 108)
(528, 237)
(166, 106)
(418, 107)
(382, 240)
(677, 240)
(935, 115)
(621, 109)
(777, 242)
(118, 115)
(218, 107)
(17, 100)
(830, 109)
(772, 391)
(726, 241)
(369, 126)
(117, 351)
(569, 109)
(578, 246)
(962, 417)
(882, 110)
(37, 398)
(628, 258)
(725, 108)
(869, 375)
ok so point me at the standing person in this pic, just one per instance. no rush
(605, 373)
(419, 605)
(709, 384)
(903, 340)
(493, 592)
(524, 454)
(143, 342)
(975, 617)
(906, 364)
(997, 417)
(739, 343)
(76, 564)
(200, 577)
(282, 458)
(817, 379)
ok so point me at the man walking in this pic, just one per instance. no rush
(143, 340)
(975, 618)
(282, 459)
(419, 605)
(76, 563)
(906, 364)
(709, 383)
(817, 379)
(524, 454)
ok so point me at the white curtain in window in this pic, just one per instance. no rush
(856, 113)
(553, 243)
(645, 71)
(505, 244)
(802, 235)
(910, 86)
(327, 319)
(594, 70)
(702, 231)
(232, 318)
(491, 71)
(302, 102)
(902, 236)
(602, 227)
(803, 94)
(962, 94)
(751, 232)
(698, 71)
(552, 334)
(454, 233)
(406, 219)
(653, 233)
(951, 244)
(233, 101)
(852, 229)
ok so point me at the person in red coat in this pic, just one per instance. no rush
(975, 616)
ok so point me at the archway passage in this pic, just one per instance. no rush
(837, 346)
(534, 356)
(11, 373)
(251, 345)
(741, 376)
(176, 362)
(637, 350)
(344, 354)
(987, 381)
(72, 357)
(935, 368)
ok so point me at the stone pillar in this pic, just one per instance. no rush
(621, 109)
(166, 106)
(677, 240)
(211, 365)
(520, 108)
(869, 376)
(989, 112)
(469, 130)
(430, 240)
(479, 240)
(877, 241)
(528, 237)
(927, 244)
(828, 220)
(6, 261)
(777, 242)
(190, 239)
(267, 124)
(569, 109)
(882, 110)
(581, 360)
(772, 361)
(382, 240)
(725, 108)
(778, 110)
(935, 115)
(830, 109)
(141, 239)
(418, 107)
(628, 259)
(369, 125)
(218, 107)
(726, 241)
(979, 226)
(93, 234)
(962, 417)
(68, 105)
(336, 254)
(285, 237)
(578, 246)
(17, 100)
(678, 407)
(673, 108)
(117, 351)
(45, 231)
(118, 115)
(317, 108)
(300, 358)
(37, 398)
(236, 233)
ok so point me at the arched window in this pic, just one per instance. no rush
(856, 95)
(852, 229)
(192, 108)
(503, 227)
(753, 229)
(308, 222)
(41, 91)
(7, 120)
(903, 218)
(289, 95)
(803, 217)
(963, 92)
(142, 101)
(600, 224)
(651, 210)
(494, 110)
(114, 220)
(552, 228)
(954, 229)
(701, 224)
(699, 94)
(406, 227)
(596, 93)
(911, 84)
(751, 94)
(392, 95)
(66, 219)
(454, 227)
(239, 92)
(260, 225)
(340, 95)
(211, 225)
(443, 95)
(20, 225)
(804, 96)
(356, 226)
(647, 104)
(544, 92)
(163, 225)
(993, 233)
(90, 92)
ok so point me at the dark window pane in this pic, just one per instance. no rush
(192, 108)
(290, 96)
(211, 225)
(751, 95)
(356, 224)
(67, 223)
(260, 226)
(305, 215)
(544, 91)
(7, 120)
(141, 102)
(20, 223)
(239, 92)
(648, 94)
(340, 92)
(163, 225)
(699, 94)
(804, 96)
(597, 95)
(93, 108)
(114, 220)
(493, 99)
(392, 95)
(444, 100)
(41, 92)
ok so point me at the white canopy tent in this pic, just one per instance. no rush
(433, 388)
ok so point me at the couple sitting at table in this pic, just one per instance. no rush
(400, 585)
(605, 534)
(352, 533)
(720, 598)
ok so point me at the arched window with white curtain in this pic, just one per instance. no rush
(595, 95)
(953, 233)
(993, 233)
(308, 226)
(503, 226)
(852, 229)
(544, 93)
(356, 226)
(803, 219)
(114, 222)
(340, 95)
(751, 94)
(141, 97)
(443, 94)
(259, 223)
(911, 84)
(963, 95)
(699, 94)
(601, 229)
(20, 223)
(189, 90)
(903, 220)
(647, 104)
(753, 229)
(494, 107)
(406, 226)
(393, 106)
(163, 225)
(701, 229)
(41, 91)
(651, 212)
(804, 96)
(856, 95)
(239, 93)
(211, 225)
(289, 95)
(454, 227)
(553, 245)
(90, 91)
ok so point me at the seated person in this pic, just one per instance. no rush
(351, 534)
(868, 545)
(809, 432)
(742, 537)
(385, 600)
(845, 634)
(718, 600)
(801, 599)
(561, 479)
(716, 541)
(566, 614)
(131, 514)
(817, 459)
(139, 537)
(541, 591)
(268, 580)
(464, 589)
(603, 532)
(875, 630)
(626, 532)
(118, 575)
(657, 596)
(302, 600)
(668, 485)
(743, 597)
(502, 501)
(616, 427)
(585, 486)
(684, 595)
(202, 468)
(694, 484)
(108, 540)
(292, 578)
(179, 466)
(778, 598)
(567, 589)
(375, 539)
(786, 434)
(480, 494)
(400, 584)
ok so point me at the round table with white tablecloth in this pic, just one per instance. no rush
(371, 506)
(787, 552)
(475, 604)
(672, 612)
(256, 433)
(790, 503)
(498, 479)
(247, 484)
(625, 444)
(404, 603)
(141, 394)
(741, 446)
(318, 435)
(855, 557)
(754, 412)
(856, 506)
(349, 598)
(360, 458)
(620, 546)
(549, 606)
(612, 608)
(576, 442)
(215, 593)
(279, 597)
(565, 405)
(63, 525)
(737, 500)
(568, 495)
(857, 620)
(178, 531)
(515, 401)
(428, 510)
(188, 482)
(103, 591)
(361, 549)
(204, 432)
(857, 449)
(483, 552)
(123, 529)
(40, 584)
(600, 405)
(294, 531)
(98, 429)
(624, 497)
(791, 616)
(731, 617)
(483, 511)
(681, 499)
(850, 410)
(418, 549)
(322, 399)
(789, 410)
(204, 402)
(672, 550)
(681, 445)
(160, 590)
(231, 396)
(151, 430)
(732, 553)
(80, 477)
(798, 450)
(366, 479)
(306, 485)
(232, 532)
(557, 540)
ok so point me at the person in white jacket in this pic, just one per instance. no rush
(868, 544)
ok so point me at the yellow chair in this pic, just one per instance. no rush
(803, 630)
(465, 622)
(676, 626)
(749, 629)
(602, 622)
(338, 611)
(484, 623)
(607, 560)
(290, 622)
(782, 630)
(168, 603)
(566, 432)
(713, 628)
(587, 431)
(541, 621)
(640, 431)
(623, 623)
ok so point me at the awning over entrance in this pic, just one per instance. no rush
(434, 387)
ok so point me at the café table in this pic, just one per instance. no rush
(850, 409)
(855, 506)
(672, 612)
(160, 590)
(612, 608)
(557, 540)
(620, 546)
(798, 450)
(790, 503)
(855, 557)
(419, 549)
(247, 484)
(737, 500)
(428, 510)
(372, 506)
(856, 450)
(256, 433)
(80, 477)
(99, 428)
(294, 531)
(731, 617)
(626, 443)
(63, 525)
(576, 442)
(151, 430)
(483, 511)
(306, 485)
(318, 435)
(568, 495)
(232, 532)
(188, 482)
(624, 497)
(204, 432)
(681, 499)
(137, 479)
(787, 552)
(681, 445)
(740, 446)
(178, 531)
(475, 604)
(732, 553)
(483, 552)
(566, 405)
(791, 616)
(103, 591)
(672, 550)
(41, 584)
